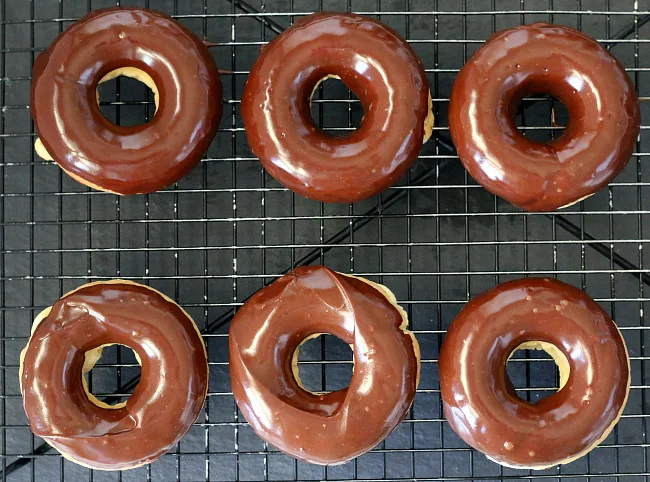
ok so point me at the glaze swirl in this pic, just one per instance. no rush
(68, 339)
(337, 426)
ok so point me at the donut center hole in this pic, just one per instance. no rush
(127, 97)
(335, 109)
(324, 364)
(537, 370)
(541, 118)
(104, 369)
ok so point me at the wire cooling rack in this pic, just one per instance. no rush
(228, 228)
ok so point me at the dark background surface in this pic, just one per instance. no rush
(228, 228)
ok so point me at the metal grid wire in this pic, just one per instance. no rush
(436, 239)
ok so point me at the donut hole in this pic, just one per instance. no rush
(324, 364)
(104, 369)
(537, 370)
(127, 97)
(335, 109)
(541, 118)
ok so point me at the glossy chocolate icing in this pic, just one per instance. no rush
(164, 404)
(126, 160)
(337, 426)
(378, 66)
(479, 400)
(604, 116)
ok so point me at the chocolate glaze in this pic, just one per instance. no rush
(377, 65)
(164, 404)
(126, 160)
(478, 397)
(604, 116)
(336, 426)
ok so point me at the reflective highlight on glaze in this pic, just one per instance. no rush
(337, 426)
(164, 404)
(479, 400)
(378, 66)
(604, 116)
(126, 160)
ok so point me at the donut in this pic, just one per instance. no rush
(480, 401)
(377, 65)
(334, 427)
(132, 42)
(67, 340)
(604, 116)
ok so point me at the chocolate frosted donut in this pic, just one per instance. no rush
(480, 401)
(604, 116)
(67, 340)
(377, 65)
(151, 47)
(333, 427)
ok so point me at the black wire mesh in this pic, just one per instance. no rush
(228, 228)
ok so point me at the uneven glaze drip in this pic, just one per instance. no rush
(604, 116)
(164, 404)
(377, 65)
(126, 160)
(336, 426)
(479, 400)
